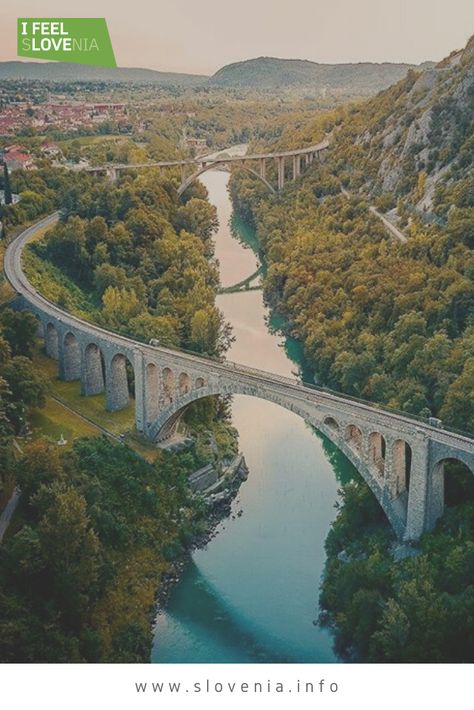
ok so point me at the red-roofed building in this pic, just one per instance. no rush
(16, 157)
(50, 149)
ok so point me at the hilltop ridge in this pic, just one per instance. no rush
(273, 72)
(362, 78)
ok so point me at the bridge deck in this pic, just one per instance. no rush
(208, 161)
(289, 386)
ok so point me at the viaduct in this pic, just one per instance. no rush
(401, 458)
(255, 164)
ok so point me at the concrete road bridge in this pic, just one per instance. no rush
(253, 163)
(401, 458)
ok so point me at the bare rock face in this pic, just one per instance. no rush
(391, 174)
(422, 130)
(418, 133)
(391, 138)
(469, 49)
(425, 82)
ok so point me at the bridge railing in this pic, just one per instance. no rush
(301, 385)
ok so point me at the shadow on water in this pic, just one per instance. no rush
(344, 470)
(209, 614)
(247, 236)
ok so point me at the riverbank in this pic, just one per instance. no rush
(218, 500)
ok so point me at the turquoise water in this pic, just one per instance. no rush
(252, 594)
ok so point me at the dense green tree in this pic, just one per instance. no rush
(19, 328)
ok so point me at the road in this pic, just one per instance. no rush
(394, 231)
(391, 228)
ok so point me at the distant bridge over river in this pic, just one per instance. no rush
(253, 163)
(400, 457)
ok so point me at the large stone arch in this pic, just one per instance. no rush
(354, 438)
(169, 385)
(51, 339)
(92, 375)
(184, 383)
(377, 453)
(442, 454)
(167, 421)
(70, 361)
(116, 382)
(210, 166)
(436, 481)
(402, 456)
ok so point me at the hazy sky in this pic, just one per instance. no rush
(199, 36)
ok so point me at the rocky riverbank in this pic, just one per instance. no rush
(219, 499)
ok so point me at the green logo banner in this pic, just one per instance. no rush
(77, 40)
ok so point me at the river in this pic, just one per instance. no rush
(252, 595)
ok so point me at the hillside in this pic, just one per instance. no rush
(60, 71)
(414, 137)
(271, 72)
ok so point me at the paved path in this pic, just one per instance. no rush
(394, 231)
(391, 228)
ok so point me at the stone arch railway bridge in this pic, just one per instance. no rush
(401, 458)
(255, 164)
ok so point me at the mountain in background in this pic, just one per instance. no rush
(261, 73)
(273, 73)
(60, 71)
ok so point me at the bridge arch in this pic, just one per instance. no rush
(402, 456)
(437, 497)
(354, 438)
(52, 341)
(92, 376)
(169, 385)
(168, 420)
(184, 383)
(377, 452)
(332, 424)
(119, 382)
(71, 357)
(212, 165)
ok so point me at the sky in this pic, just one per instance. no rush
(200, 36)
